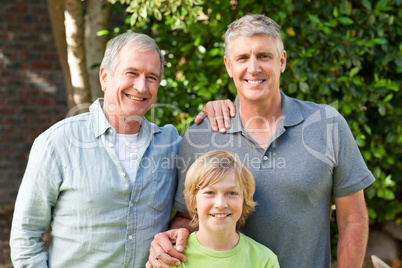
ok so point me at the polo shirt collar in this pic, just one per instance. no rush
(291, 114)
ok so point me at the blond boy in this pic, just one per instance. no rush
(219, 192)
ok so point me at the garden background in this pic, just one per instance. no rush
(344, 53)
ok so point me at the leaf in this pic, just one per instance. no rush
(367, 128)
(157, 14)
(367, 5)
(102, 32)
(314, 19)
(133, 18)
(354, 71)
(290, 31)
(143, 11)
(381, 110)
(388, 97)
(389, 182)
(214, 52)
(372, 214)
(380, 41)
(389, 195)
(304, 87)
(345, 20)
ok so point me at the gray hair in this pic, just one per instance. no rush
(142, 43)
(251, 25)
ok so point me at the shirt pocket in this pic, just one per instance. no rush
(164, 184)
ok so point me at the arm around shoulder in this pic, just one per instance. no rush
(162, 246)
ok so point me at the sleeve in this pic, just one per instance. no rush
(273, 262)
(184, 160)
(350, 172)
(196, 141)
(32, 214)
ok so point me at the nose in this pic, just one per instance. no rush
(254, 66)
(140, 84)
(220, 201)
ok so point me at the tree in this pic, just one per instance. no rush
(67, 21)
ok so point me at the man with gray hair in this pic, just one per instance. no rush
(104, 181)
(302, 155)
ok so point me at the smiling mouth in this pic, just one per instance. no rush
(254, 82)
(220, 216)
(134, 98)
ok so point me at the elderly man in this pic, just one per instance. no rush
(104, 180)
(303, 156)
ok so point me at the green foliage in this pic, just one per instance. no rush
(172, 10)
(347, 53)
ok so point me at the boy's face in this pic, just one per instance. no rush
(219, 206)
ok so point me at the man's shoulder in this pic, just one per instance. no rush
(310, 108)
(167, 129)
(200, 133)
(67, 125)
(165, 135)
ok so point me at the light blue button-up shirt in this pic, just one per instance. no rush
(75, 183)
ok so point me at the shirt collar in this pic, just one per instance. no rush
(291, 114)
(101, 124)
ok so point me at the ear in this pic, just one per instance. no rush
(103, 76)
(195, 203)
(228, 66)
(283, 61)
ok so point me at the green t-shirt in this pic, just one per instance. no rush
(247, 253)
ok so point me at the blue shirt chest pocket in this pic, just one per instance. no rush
(163, 187)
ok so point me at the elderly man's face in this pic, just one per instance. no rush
(255, 66)
(131, 90)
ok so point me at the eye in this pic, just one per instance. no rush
(242, 59)
(232, 193)
(266, 56)
(153, 78)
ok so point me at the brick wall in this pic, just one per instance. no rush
(32, 93)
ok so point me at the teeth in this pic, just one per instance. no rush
(134, 98)
(220, 215)
(254, 82)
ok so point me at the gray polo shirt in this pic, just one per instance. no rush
(311, 158)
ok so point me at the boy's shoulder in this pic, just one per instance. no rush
(256, 246)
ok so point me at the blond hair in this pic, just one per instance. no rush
(209, 169)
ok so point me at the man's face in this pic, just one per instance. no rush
(255, 66)
(131, 90)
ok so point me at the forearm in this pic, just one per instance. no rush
(353, 228)
(181, 220)
(352, 244)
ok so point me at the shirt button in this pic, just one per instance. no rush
(130, 237)
(265, 157)
(123, 174)
(110, 131)
(131, 204)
